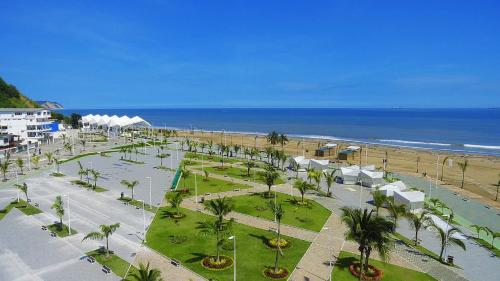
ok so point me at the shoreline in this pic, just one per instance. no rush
(481, 174)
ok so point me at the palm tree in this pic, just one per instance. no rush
(20, 164)
(4, 166)
(219, 208)
(249, 164)
(273, 137)
(24, 189)
(463, 167)
(185, 173)
(269, 154)
(282, 157)
(396, 211)
(49, 156)
(175, 201)
(282, 139)
(130, 185)
(302, 186)
(442, 167)
(368, 232)
(270, 175)
(161, 156)
(83, 143)
(202, 146)
(330, 179)
(278, 214)
(236, 149)
(67, 146)
(58, 164)
(317, 179)
(447, 238)
(59, 207)
(35, 160)
(379, 199)
(295, 167)
(478, 229)
(95, 175)
(310, 173)
(105, 232)
(417, 221)
(146, 274)
(497, 186)
(81, 170)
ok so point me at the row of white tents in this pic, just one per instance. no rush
(112, 122)
(305, 163)
(366, 175)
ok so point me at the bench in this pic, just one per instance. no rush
(90, 259)
(44, 227)
(53, 234)
(106, 269)
(176, 263)
(37, 205)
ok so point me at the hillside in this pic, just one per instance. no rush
(50, 104)
(11, 97)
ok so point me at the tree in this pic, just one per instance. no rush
(58, 164)
(317, 179)
(478, 229)
(83, 143)
(20, 164)
(185, 173)
(418, 163)
(146, 274)
(295, 167)
(4, 166)
(269, 154)
(95, 175)
(417, 221)
(219, 208)
(368, 232)
(396, 211)
(35, 160)
(24, 189)
(105, 232)
(273, 137)
(249, 164)
(58, 206)
(206, 175)
(302, 186)
(330, 179)
(176, 201)
(442, 167)
(270, 175)
(283, 140)
(379, 200)
(49, 156)
(278, 214)
(236, 149)
(446, 237)
(161, 156)
(130, 185)
(67, 146)
(81, 170)
(463, 167)
(310, 173)
(497, 186)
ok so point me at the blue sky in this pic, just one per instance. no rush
(121, 54)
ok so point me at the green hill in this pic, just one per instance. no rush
(11, 97)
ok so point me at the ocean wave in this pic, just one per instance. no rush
(417, 142)
(482, 146)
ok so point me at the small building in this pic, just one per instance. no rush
(319, 164)
(371, 178)
(412, 200)
(389, 189)
(8, 144)
(344, 153)
(349, 174)
(301, 161)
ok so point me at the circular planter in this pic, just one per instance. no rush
(210, 262)
(272, 243)
(177, 216)
(374, 274)
(282, 273)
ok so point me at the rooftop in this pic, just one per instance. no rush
(22, 109)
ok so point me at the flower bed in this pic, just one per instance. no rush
(373, 274)
(273, 243)
(211, 263)
(281, 273)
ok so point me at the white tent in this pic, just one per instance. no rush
(114, 122)
(368, 168)
(319, 164)
(388, 189)
(412, 200)
(353, 147)
(350, 174)
(371, 178)
(301, 160)
(330, 145)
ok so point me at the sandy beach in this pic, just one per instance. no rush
(480, 176)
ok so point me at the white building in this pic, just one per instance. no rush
(32, 125)
(319, 164)
(350, 174)
(389, 189)
(412, 200)
(371, 178)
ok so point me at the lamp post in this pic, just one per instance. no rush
(150, 203)
(143, 220)
(234, 255)
(69, 215)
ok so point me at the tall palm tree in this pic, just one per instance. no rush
(417, 221)
(176, 201)
(497, 185)
(310, 173)
(278, 214)
(295, 167)
(35, 160)
(379, 200)
(317, 179)
(24, 189)
(105, 232)
(442, 167)
(395, 211)
(58, 206)
(95, 175)
(463, 167)
(330, 179)
(368, 232)
(161, 156)
(83, 143)
(302, 186)
(249, 164)
(4, 166)
(185, 173)
(446, 237)
(50, 157)
(67, 146)
(81, 170)
(236, 149)
(283, 140)
(146, 274)
(273, 137)
(270, 175)
(130, 185)
(269, 154)
(219, 208)
(20, 164)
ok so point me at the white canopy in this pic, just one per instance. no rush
(444, 225)
(330, 145)
(114, 121)
(319, 164)
(353, 147)
(388, 189)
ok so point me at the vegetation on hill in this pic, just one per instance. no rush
(11, 97)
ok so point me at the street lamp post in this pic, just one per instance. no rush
(143, 219)
(69, 215)
(234, 255)
(150, 180)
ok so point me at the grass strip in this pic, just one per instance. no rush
(61, 232)
(117, 265)
(22, 206)
(137, 203)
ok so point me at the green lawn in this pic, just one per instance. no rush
(182, 241)
(58, 175)
(89, 186)
(312, 217)
(214, 158)
(132, 161)
(241, 173)
(27, 209)
(114, 262)
(208, 186)
(136, 203)
(391, 272)
(61, 232)
(487, 245)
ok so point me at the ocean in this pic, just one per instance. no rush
(458, 130)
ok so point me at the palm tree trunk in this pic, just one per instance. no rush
(277, 249)
(217, 250)
(107, 246)
(463, 178)
(60, 224)
(367, 258)
(442, 250)
(132, 194)
(416, 236)
(361, 259)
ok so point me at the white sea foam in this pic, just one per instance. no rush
(482, 146)
(417, 142)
